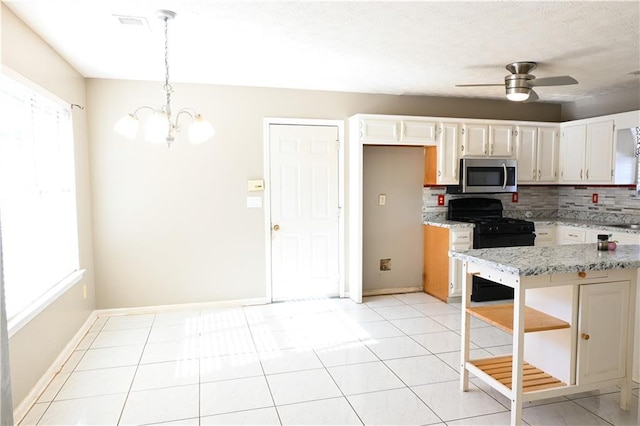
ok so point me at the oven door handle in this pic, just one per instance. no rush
(504, 183)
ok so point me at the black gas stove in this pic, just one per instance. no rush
(491, 230)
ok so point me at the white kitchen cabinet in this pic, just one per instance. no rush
(383, 131)
(447, 152)
(487, 140)
(586, 153)
(571, 235)
(537, 154)
(602, 332)
(475, 140)
(500, 140)
(545, 235)
(413, 131)
(378, 131)
(459, 240)
(548, 140)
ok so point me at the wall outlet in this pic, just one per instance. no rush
(514, 197)
(385, 264)
(382, 199)
(441, 199)
(594, 198)
(84, 291)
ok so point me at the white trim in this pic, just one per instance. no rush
(180, 307)
(15, 323)
(383, 291)
(268, 121)
(27, 402)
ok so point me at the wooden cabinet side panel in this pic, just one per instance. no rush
(436, 262)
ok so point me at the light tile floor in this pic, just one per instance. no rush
(389, 361)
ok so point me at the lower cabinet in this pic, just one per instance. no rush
(442, 276)
(602, 332)
(435, 268)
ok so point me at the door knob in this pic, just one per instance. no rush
(276, 227)
(585, 336)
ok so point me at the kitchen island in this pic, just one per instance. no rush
(572, 320)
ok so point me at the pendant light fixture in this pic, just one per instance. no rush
(160, 126)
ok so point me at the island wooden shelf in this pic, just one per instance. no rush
(533, 378)
(502, 317)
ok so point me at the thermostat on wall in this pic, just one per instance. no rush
(255, 185)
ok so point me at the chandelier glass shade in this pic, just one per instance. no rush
(160, 126)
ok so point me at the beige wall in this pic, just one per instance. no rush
(35, 347)
(171, 225)
(594, 106)
(394, 230)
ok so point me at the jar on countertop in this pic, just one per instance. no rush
(603, 242)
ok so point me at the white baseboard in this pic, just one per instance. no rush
(27, 402)
(383, 291)
(180, 307)
(25, 405)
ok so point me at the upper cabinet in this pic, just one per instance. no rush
(486, 140)
(389, 130)
(537, 154)
(447, 154)
(587, 153)
(412, 131)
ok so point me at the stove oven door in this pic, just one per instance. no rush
(483, 290)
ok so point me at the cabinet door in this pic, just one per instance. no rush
(435, 272)
(599, 159)
(475, 140)
(602, 331)
(571, 235)
(378, 131)
(461, 240)
(421, 132)
(547, 154)
(526, 154)
(448, 160)
(572, 154)
(500, 141)
(545, 236)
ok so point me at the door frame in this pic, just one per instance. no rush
(266, 147)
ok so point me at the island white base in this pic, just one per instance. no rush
(572, 332)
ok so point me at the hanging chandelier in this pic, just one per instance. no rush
(161, 127)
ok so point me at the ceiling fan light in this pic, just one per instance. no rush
(518, 94)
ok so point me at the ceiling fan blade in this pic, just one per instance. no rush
(561, 80)
(533, 96)
(479, 85)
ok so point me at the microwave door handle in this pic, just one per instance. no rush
(504, 182)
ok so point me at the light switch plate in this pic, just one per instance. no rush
(254, 202)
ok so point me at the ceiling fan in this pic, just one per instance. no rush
(519, 85)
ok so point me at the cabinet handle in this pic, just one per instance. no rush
(439, 173)
(539, 174)
(582, 274)
(491, 150)
(587, 173)
(585, 336)
(580, 174)
(534, 173)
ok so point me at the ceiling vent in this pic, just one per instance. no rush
(134, 21)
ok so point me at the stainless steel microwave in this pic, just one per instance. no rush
(486, 175)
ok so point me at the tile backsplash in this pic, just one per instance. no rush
(618, 204)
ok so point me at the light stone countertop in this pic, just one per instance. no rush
(588, 224)
(448, 223)
(529, 261)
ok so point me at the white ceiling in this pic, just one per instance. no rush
(419, 47)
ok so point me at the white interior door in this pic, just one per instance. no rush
(304, 211)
